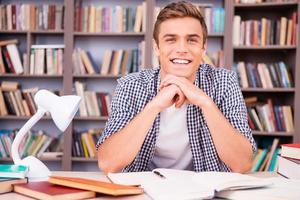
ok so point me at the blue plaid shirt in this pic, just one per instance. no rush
(135, 90)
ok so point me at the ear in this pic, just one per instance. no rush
(204, 49)
(155, 47)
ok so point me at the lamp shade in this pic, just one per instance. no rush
(62, 109)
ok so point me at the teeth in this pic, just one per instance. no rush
(180, 61)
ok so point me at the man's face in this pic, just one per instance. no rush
(180, 47)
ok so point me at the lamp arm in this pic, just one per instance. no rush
(22, 132)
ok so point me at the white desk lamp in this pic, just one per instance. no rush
(62, 110)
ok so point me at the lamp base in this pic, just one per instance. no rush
(38, 171)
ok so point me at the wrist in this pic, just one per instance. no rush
(154, 107)
(207, 104)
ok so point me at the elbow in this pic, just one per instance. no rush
(106, 165)
(243, 166)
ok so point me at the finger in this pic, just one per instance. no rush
(180, 99)
(172, 80)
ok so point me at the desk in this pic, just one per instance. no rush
(101, 177)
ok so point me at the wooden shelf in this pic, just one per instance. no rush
(29, 76)
(96, 76)
(268, 90)
(13, 117)
(265, 133)
(264, 5)
(267, 47)
(91, 118)
(12, 32)
(82, 159)
(109, 34)
(215, 35)
(47, 32)
(42, 159)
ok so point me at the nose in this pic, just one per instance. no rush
(182, 46)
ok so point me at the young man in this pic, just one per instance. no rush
(184, 115)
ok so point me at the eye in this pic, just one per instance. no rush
(192, 40)
(170, 40)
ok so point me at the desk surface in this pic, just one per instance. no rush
(101, 177)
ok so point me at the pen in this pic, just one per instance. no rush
(159, 174)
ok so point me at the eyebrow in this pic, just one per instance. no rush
(173, 35)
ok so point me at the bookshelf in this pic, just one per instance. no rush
(97, 42)
(289, 53)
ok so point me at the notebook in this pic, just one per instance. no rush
(13, 171)
(163, 184)
(96, 186)
(45, 191)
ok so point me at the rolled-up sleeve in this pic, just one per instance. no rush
(234, 109)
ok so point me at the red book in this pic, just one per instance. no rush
(103, 104)
(291, 151)
(46, 190)
(7, 59)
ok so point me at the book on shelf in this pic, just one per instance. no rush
(84, 143)
(96, 186)
(264, 116)
(291, 151)
(36, 143)
(265, 31)
(51, 155)
(114, 62)
(6, 184)
(214, 58)
(46, 190)
(13, 171)
(289, 167)
(19, 102)
(180, 184)
(22, 17)
(266, 159)
(10, 60)
(92, 103)
(96, 19)
(263, 75)
(46, 59)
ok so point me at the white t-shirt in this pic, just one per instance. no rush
(172, 148)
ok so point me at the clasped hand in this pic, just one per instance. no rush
(178, 90)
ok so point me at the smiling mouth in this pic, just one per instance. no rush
(180, 61)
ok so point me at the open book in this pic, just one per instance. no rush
(180, 184)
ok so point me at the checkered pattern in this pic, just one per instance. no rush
(134, 91)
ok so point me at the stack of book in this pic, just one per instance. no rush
(289, 161)
(11, 174)
(71, 188)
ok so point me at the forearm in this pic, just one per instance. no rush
(232, 147)
(120, 149)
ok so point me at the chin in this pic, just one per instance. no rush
(181, 73)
